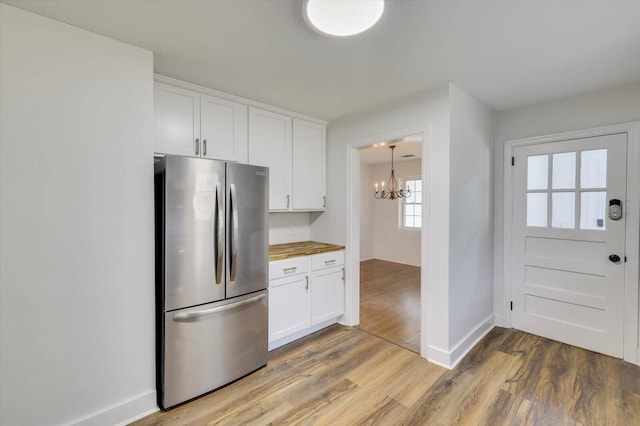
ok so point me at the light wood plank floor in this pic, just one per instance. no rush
(390, 302)
(344, 376)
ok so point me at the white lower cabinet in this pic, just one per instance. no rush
(306, 293)
(327, 295)
(288, 306)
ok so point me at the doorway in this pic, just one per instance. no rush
(571, 244)
(390, 240)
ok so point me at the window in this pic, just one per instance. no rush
(575, 191)
(412, 206)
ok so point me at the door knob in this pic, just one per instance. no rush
(614, 258)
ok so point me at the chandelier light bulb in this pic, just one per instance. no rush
(342, 18)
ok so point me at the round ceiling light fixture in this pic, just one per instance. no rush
(342, 18)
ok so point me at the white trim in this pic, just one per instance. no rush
(450, 359)
(124, 412)
(297, 335)
(352, 260)
(632, 250)
(465, 345)
(233, 98)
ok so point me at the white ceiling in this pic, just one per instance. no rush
(505, 53)
(380, 153)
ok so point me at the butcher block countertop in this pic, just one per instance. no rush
(301, 248)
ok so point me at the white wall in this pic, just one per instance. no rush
(391, 242)
(611, 106)
(76, 218)
(430, 109)
(471, 219)
(288, 227)
(367, 228)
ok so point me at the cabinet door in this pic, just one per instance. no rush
(327, 295)
(309, 165)
(223, 129)
(176, 119)
(288, 306)
(270, 146)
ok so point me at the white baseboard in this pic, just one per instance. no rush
(500, 320)
(400, 261)
(438, 356)
(449, 359)
(295, 336)
(123, 413)
(471, 339)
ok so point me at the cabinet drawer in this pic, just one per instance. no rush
(327, 260)
(287, 267)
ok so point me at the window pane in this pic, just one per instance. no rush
(418, 185)
(537, 209)
(593, 169)
(417, 198)
(409, 210)
(412, 185)
(411, 198)
(417, 210)
(593, 207)
(418, 222)
(563, 211)
(564, 171)
(409, 221)
(538, 172)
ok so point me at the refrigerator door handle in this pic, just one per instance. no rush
(234, 233)
(219, 234)
(193, 316)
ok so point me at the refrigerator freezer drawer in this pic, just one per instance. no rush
(208, 346)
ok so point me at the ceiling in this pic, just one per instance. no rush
(404, 147)
(505, 53)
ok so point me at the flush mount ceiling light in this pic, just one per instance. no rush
(342, 17)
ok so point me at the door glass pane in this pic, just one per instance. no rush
(538, 172)
(593, 169)
(564, 171)
(563, 210)
(537, 209)
(592, 210)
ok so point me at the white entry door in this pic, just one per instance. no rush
(568, 247)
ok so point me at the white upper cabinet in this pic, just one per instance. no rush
(294, 151)
(308, 176)
(223, 129)
(194, 121)
(270, 146)
(176, 120)
(198, 125)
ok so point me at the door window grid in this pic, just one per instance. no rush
(567, 201)
(411, 207)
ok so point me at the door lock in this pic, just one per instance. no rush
(615, 209)
(614, 258)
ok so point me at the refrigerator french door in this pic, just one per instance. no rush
(211, 274)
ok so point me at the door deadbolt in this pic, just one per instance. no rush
(615, 209)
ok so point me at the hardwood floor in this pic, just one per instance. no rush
(390, 302)
(344, 376)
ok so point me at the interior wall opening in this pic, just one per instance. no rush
(390, 240)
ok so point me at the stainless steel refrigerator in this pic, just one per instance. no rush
(211, 274)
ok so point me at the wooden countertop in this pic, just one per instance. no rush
(301, 248)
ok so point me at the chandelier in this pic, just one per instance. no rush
(394, 190)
